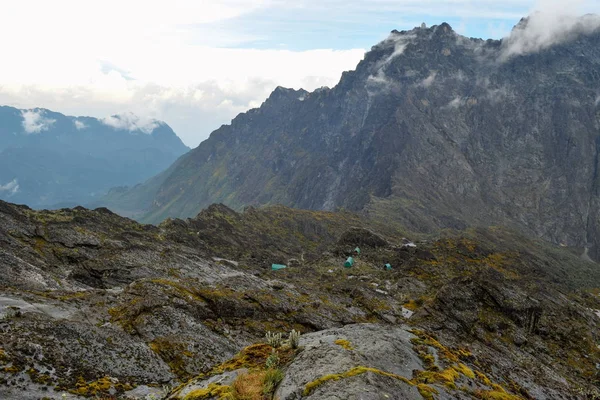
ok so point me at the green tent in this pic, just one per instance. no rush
(349, 262)
(388, 267)
(277, 267)
(357, 250)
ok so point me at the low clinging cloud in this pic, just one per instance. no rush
(34, 121)
(544, 29)
(11, 187)
(131, 122)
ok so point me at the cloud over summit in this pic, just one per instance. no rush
(34, 121)
(547, 28)
(131, 122)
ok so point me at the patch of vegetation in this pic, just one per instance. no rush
(426, 391)
(312, 386)
(255, 357)
(174, 354)
(101, 386)
(344, 343)
(214, 390)
(497, 393)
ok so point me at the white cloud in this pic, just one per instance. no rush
(182, 61)
(35, 122)
(11, 187)
(597, 102)
(429, 80)
(456, 102)
(181, 88)
(79, 125)
(131, 122)
(545, 28)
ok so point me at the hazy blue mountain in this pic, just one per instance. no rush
(48, 159)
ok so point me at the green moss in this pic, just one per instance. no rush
(272, 379)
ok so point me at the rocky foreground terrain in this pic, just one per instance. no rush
(93, 305)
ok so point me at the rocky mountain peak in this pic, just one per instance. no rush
(432, 129)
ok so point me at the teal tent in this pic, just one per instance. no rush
(277, 267)
(388, 267)
(357, 250)
(349, 262)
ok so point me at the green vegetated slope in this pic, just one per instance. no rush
(114, 305)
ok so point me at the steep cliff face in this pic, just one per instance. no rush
(432, 129)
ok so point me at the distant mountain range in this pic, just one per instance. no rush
(51, 160)
(432, 129)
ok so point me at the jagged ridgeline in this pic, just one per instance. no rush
(94, 305)
(432, 130)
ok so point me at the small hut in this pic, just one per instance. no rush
(349, 262)
(277, 267)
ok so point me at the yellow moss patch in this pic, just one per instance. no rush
(483, 378)
(497, 394)
(428, 360)
(463, 369)
(499, 262)
(344, 343)
(446, 377)
(426, 391)
(213, 390)
(411, 305)
(311, 386)
(101, 386)
(3, 356)
(39, 244)
(74, 295)
(181, 289)
(424, 339)
(12, 369)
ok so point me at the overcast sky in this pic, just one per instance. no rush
(197, 63)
